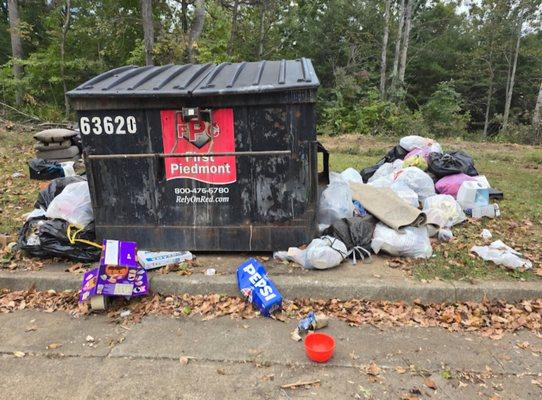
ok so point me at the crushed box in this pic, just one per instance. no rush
(257, 287)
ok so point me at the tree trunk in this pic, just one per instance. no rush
(233, 34)
(510, 86)
(384, 50)
(262, 29)
(398, 44)
(489, 97)
(406, 38)
(196, 28)
(184, 15)
(16, 46)
(537, 129)
(65, 28)
(148, 29)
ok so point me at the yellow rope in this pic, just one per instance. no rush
(72, 238)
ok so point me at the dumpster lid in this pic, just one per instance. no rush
(201, 79)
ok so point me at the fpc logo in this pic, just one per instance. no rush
(196, 136)
(196, 129)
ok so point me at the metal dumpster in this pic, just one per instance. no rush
(202, 157)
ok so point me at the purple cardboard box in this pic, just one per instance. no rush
(116, 252)
(118, 274)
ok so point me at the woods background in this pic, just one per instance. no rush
(387, 67)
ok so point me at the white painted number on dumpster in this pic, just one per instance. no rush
(119, 125)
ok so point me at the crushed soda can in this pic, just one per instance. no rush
(257, 288)
(311, 322)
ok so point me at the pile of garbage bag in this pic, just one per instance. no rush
(62, 223)
(414, 192)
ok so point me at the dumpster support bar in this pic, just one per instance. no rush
(170, 155)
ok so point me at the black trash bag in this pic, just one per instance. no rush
(395, 153)
(450, 163)
(46, 238)
(55, 187)
(54, 240)
(353, 232)
(28, 239)
(44, 170)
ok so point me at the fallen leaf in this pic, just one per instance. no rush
(221, 371)
(53, 346)
(430, 383)
(373, 369)
(400, 370)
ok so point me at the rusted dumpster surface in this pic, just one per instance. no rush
(202, 157)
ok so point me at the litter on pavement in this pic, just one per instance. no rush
(311, 322)
(118, 274)
(257, 288)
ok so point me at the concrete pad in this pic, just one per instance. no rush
(40, 378)
(17, 334)
(96, 378)
(267, 341)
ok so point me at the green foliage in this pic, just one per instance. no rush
(342, 37)
(443, 113)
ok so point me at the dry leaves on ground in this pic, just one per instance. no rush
(491, 319)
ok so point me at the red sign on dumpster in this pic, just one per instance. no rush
(197, 133)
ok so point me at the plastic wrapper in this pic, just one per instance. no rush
(501, 254)
(72, 205)
(407, 242)
(415, 161)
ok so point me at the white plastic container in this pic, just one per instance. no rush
(473, 194)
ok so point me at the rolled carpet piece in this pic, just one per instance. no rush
(70, 152)
(386, 206)
(54, 135)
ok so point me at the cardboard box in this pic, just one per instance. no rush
(254, 284)
(118, 274)
(156, 259)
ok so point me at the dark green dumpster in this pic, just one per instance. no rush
(202, 157)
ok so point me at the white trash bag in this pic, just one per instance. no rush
(351, 175)
(407, 242)
(412, 142)
(322, 253)
(386, 170)
(449, 209)
(406, 193)
(502, 254)
(335, 202)
(417, 180)
(72, 205)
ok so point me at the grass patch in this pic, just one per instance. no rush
(17, 195)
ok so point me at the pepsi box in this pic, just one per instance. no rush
(254, 285)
